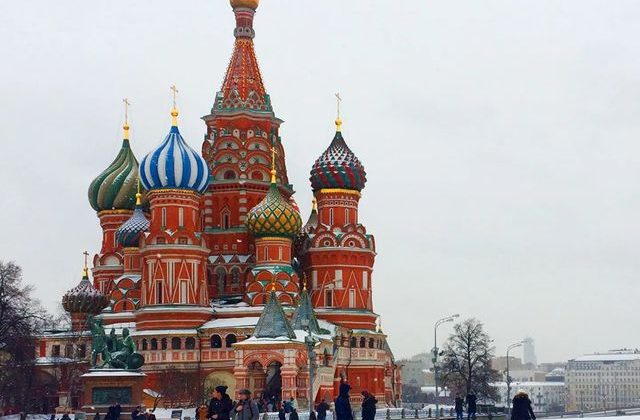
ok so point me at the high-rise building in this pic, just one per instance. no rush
(529, 352)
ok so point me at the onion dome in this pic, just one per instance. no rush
(338, 167)
(274, 215)
(128, 235)
(174, 165)
(115, 187)
(251, 4)
(84, 298)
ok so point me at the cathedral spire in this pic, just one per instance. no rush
(242, 88)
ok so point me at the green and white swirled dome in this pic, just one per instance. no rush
(115, 188)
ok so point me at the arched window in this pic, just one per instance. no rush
(190, 343)
(325, 357)
(235, 277)
(144, 344)
(216, 341)
(225, 221)
(229, 175)
(371, 343)
(163, 344)
(154, 344)
(176, 343)
(354, 342)
(257, 175)
(221, 274)
(230, 339)
(363, 342)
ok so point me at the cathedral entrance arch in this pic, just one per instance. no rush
(220, 378)
(273, 386)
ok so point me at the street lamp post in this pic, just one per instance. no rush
(310, 341)
(435, 356)
(511, 347)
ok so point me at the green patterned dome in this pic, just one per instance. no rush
(274, 216)
(115, 188)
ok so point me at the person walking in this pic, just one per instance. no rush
(522, 409)
(281, 414)
(459, 406)
(294, 415)
(343, 406)
(245, 408)
(322, 410)
(368, 406)
(220, 405)
(471, 406)
(136, 413)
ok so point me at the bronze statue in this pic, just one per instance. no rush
(115, 352)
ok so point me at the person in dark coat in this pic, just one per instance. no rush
(343, 406)
(322, 410)
(294, 415)
(522, 409)
(459, 405)
(220, 405)
(117, 411)
(281, 414)
(95, 417)
(368, 406)
(136, 413)
(471, 406)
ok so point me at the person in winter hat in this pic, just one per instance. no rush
(522, 409)
(459, 405)
(368, 406)
(245, 408)
(220, 405)
(342, 404)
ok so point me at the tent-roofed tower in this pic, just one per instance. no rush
(242, 128)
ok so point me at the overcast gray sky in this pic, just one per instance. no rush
(501, 141)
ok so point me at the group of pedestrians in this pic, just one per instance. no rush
(472, 406)
(521, 407)
(343, 409)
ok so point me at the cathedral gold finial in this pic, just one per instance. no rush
(314, 204)
(273, 164)
(125, 127)
(85, 270)
(338, 120)
(273, 285)
(304, 282)
(174, 110)
(138, 195)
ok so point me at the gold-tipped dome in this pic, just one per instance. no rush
(251, 4)
(274, 216)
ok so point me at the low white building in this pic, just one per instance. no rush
(604, 381)
(546, 397)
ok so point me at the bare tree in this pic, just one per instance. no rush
(21, 319)
(179, 388)
(466, 365)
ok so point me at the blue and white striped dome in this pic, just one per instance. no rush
(174, 164)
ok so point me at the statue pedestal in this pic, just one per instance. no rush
(104, 387)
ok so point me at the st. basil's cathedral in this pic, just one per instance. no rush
(206, 259)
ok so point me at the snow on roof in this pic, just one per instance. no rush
(152, 393)
(111, 372)
(52, 360)
(517, 384)
(608, 357)
(248, 321)
(190, 331)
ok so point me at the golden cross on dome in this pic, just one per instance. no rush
(86, 268)
(125, 127)
(304, 282)
(174, 110)
(273, 285)
(338, 120)
(138, 194)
